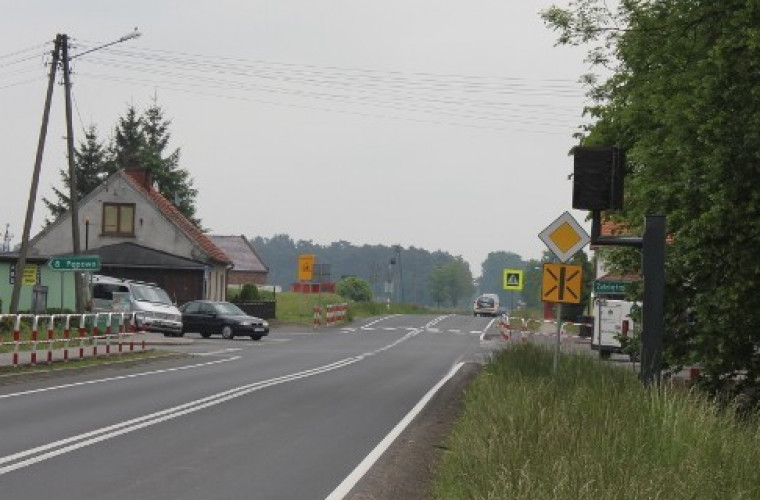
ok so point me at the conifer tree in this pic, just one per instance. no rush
(90, 167)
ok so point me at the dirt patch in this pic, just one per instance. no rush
(407, 469)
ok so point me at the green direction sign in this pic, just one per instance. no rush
(611, 287)
(81, 263)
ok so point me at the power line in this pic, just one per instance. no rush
(315, 108)
(23, 51)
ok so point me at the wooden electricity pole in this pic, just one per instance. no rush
(73, 191)
(21, 262)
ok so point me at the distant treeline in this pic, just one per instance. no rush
(377, 264)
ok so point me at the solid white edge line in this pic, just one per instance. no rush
(345, 487)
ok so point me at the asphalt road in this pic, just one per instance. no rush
(298, 415)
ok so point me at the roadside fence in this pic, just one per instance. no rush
(517, 328)
(42, 337)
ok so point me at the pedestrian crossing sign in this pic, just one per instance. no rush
(513, 279)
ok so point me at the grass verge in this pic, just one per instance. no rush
(591, 432)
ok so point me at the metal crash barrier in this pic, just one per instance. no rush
(27, 339)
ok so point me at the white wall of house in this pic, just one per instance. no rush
(151, 229)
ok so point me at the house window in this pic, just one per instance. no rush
(119, 219)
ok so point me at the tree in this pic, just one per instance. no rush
(138, 141)
(173, 182)
(355, 289)
(680, 101)
(91, 169)
(128, 145)
(450, 283)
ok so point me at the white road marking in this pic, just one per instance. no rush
(389, 329)
(455, 331)
(120, 377)
(345, 487)
(44, 452)
(216, 353)
(483, 335)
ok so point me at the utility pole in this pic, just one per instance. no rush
(60, 52)
(73, 191)
(400, 272)
(21, 262)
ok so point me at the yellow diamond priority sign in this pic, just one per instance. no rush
(564, 237)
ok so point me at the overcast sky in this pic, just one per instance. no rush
(440, 124)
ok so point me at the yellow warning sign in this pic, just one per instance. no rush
(513, 279)
(561, 283)
(30, 274)
(306, 267)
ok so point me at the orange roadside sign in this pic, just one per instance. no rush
(561, 283)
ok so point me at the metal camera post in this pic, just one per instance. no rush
(598, 185)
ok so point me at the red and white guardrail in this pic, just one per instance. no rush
(334, 313)
(514, 327)
(47, 330)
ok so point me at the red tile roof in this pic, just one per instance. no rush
(136, 178)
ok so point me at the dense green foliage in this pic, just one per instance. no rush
(370, 262)
(682, 100)
(354, 288)
(90, 161)
(138, 141)
(591, 431)
(248, 293)
(451, 284)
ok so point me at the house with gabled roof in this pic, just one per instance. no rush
(247, 264)
(139, 234)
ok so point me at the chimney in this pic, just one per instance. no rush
(142, 175)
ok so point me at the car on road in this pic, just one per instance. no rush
(486, 305)
(221, 318)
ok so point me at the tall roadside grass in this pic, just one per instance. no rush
(592, 432)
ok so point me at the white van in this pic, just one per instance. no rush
(156, 311)
(613, 322)
(486, 305)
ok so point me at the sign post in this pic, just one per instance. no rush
(562, 283)
(513, 281)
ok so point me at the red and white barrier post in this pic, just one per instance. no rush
(66, 337)
(50, 332)
(317, 316)
(16, 339)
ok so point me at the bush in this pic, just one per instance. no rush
(355, 289)
(248, 293)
